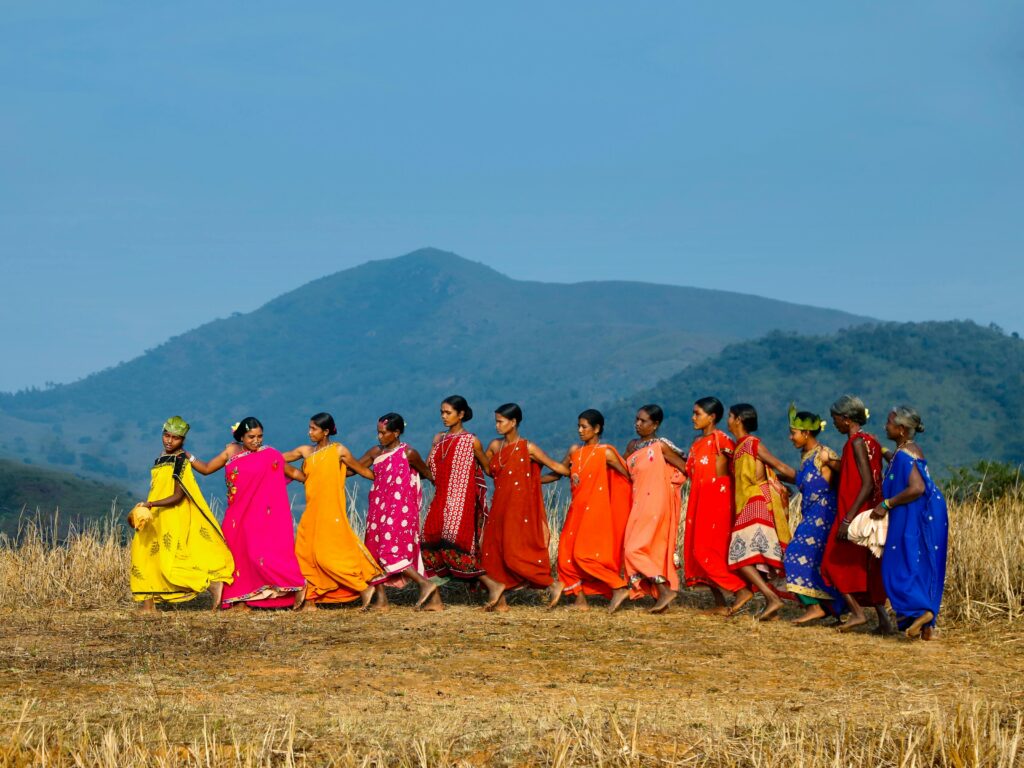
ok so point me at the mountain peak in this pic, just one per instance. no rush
(438, 259)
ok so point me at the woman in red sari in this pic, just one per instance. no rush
(709, 510)
(590, 547)
(656, 467)
(514, 553)
(848, 567)
(455, 520)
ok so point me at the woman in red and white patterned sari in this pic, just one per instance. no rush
(455, 520)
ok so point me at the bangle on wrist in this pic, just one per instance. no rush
(886, 506)
(191, 458)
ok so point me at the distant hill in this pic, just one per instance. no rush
(966, 381)
(389, 335)
(27, 489)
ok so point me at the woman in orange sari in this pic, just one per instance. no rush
(709, 510)
(334, 562)
(514, 551)
(590, 547)
(760, 531)
(656, 467)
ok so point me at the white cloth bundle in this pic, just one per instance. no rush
(869, 532)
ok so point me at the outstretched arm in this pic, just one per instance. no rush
(672, 457)
(782, 469)
(542, 458)
(416, 462)
(552, 477)
(302, 452)
(483, 459)
(613, 461)
(348, 460)
(294, 474)
(217, 462)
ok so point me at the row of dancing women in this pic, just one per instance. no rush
(864, 536)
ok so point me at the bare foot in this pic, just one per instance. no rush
(365, 597)
(914, 630)
(664, 600)
(300, 599)
(556, 591)
(216, 592)
(147, 606)
(309, 607)
(813, 613)
(771, 611)
(242, 607)
(433, 603)
(379, 607)
(501, 606)
(581, 603)
(427, 592)
(618, 598)
(743, 597)
(495, 594)
(852, 622)
(928, 633)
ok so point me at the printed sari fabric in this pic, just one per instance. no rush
(514, 550)
(914, 559)
(259, 531)
(181, 551)
(652, 531)
(818, 510)
(709, 513)
(850, 568)
(760, 532)
(334, 562)
(393, 517)
(590, 547)
(455, 520)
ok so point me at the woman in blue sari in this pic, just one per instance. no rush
(816, 482)
(914, 559)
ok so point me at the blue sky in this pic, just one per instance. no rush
(161, 166)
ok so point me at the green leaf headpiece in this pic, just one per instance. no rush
(176, 426)
(813, 424)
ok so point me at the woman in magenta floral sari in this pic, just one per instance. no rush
(258, 525)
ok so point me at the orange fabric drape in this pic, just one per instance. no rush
(590, 547)
(334, 562)
(514, 550)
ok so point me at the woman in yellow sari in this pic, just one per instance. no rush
(178, 549)
(336, 565)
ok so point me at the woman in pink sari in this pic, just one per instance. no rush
(393, 517)
(258, 525)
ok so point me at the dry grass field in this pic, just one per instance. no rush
(86, 681)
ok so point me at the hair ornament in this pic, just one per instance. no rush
(235, 426)
(813, 424)
(867, 413)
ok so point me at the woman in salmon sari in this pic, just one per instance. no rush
(180, 551)
(709, 509)
(656, 467)
(847, 567)
(393, 516)
(760, 531)
(258, 524)
(514, 551)
(590, 546)
(455, 520)
(335, 564)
